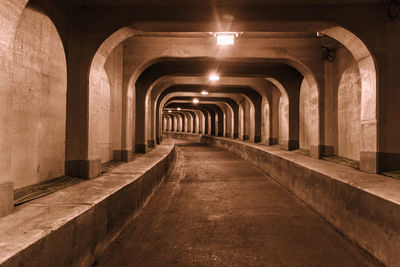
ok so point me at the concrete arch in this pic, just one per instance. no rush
(288, 117)
(184, 120)
(167, 122)
(232, 105)
(213, 111)
(225, 104)
(223, 92)
(171, 121)
(369, 96)
(200, 120)
(251, 69)
(127, 32)
(218, 108)
(177, 122)
(259, 85)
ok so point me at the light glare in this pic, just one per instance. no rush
(178, 108)
(226, 39)
(195, 100)
(204, 92)
(214, 77)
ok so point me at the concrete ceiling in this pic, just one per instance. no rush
(226, 2)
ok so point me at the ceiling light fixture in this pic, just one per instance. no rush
(178, 109)
(226, 38)
(169, 111)
(213, 77)
(204, 92)
(195, 100)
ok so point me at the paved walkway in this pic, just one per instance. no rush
(216, 210)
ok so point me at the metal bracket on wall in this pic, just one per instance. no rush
(392, 8)
(328, 53)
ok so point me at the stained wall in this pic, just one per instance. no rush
(347, 86)
(39, 101)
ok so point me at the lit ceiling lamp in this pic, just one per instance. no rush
(169, 111)
(195, 100)
(178, 109)
(204, 92)
(213, 77)
(226, 38)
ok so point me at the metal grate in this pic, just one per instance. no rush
(32, 192)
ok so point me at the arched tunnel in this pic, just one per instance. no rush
(199, 133)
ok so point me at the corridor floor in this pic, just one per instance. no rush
(216, 210)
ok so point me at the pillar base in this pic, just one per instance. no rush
(235, 136)
(245, 137)
(227, 135)
(377, 162)
(6, 198)
(200, 132)
(273, 141)
(86, 169)
(257, 139)
(141, 148)
(158, 140)
(321, 151)
(123, 155)
(290, 145)
(151, 143)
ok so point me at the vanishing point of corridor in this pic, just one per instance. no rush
(216, 210)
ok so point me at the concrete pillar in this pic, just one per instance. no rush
(79, 162)
(6, 198)
(274, 137)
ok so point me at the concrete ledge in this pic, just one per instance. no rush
(365, 207)
(74, 225)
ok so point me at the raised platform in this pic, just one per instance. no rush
(72, 226)
(364, 207)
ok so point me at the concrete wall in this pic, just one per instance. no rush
(247, 120)
(113, 68)
(308, 109)
(39, 101)
(276, 96)
(106, 116)
(283, 120)
(346, 79)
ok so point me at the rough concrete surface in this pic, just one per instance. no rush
(73, 225)
(39, 101)
(365, 207)
(6, 198)
(216, 210)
